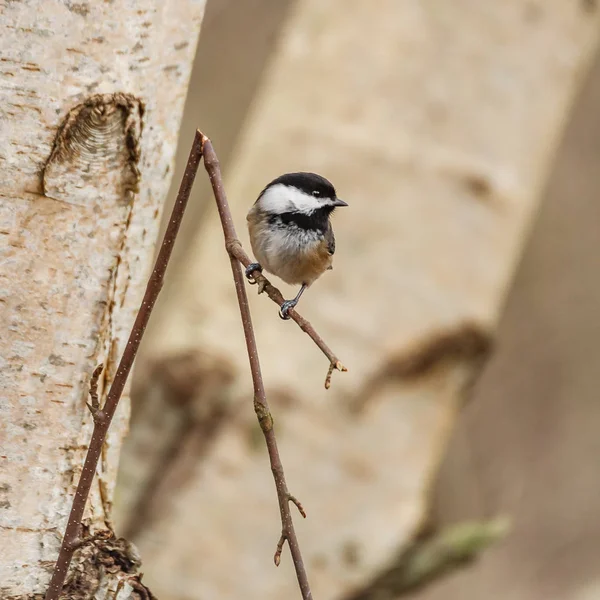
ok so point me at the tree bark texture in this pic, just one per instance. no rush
(437, 122)
(91, 97)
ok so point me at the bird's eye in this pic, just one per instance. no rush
(316, 193)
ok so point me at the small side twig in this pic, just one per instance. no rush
(298, 505)
(261, 406)
(279, 550)
(94, 405)
(135, 585)
(234, 247)
(103, 416)
(103, 534)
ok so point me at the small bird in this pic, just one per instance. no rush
(290, 231)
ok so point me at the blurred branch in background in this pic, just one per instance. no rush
(180, 435)
(431, 557)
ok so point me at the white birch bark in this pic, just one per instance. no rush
(437, 122)
(91, 96)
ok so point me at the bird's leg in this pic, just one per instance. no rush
(250, 270)
(285, 307)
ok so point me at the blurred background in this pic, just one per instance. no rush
(465, 139)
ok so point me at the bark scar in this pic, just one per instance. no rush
(97, 146)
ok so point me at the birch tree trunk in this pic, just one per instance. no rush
(437, 122)
(91, 96)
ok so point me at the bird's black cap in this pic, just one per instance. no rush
(309, 183)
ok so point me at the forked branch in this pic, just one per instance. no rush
(103, 415)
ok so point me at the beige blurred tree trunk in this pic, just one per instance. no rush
(528, 443)
(437, 122)
(91, 96)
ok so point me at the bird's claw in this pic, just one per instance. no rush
(285, 308)
(250, 269)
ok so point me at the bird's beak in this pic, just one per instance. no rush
(338, 202)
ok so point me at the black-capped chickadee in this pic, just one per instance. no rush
(290, 231)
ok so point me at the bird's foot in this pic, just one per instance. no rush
(285, 308)
(250, 270)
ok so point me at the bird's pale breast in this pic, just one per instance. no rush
(294, 255)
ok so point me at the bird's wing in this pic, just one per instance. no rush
(330, 239)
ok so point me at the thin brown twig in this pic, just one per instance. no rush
(261, 406)
(104, 534)
(94, 405)
(298, 505)
(103, 417)
(235, 248)
(141, 589)
(279, 550)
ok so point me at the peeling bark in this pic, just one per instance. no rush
(91, 96)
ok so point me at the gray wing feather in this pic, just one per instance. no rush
(330, 239)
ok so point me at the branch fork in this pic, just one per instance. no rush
(98, 415)
(287, 497)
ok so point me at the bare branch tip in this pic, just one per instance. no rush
(298, 505)
(280, 543)
(328, 380)
(203, 140)
(337, 365)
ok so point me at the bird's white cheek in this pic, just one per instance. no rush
(282, 198)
